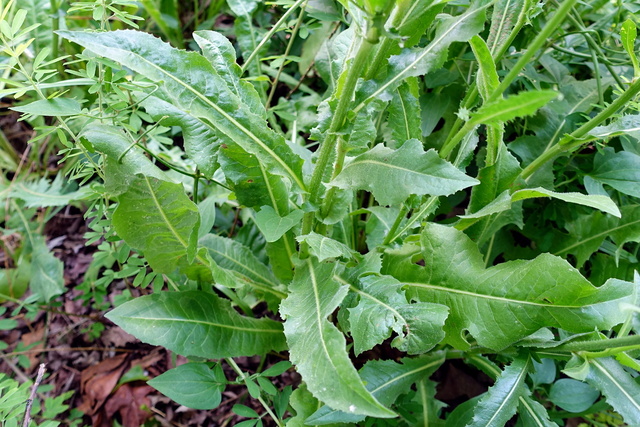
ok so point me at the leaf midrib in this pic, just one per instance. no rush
(202, 322)
(615, 382)
(596, 236)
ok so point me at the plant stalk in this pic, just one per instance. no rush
(573, 141)
(344, 94)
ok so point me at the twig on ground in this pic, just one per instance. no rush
(34, 388)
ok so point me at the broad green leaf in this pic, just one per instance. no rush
(254, 184)
(123, 159)
(404, 121)
(220, 52)
(272, 225)
(620, 388)
(588, 232)
(47, 279)
(502, 304)
(520, 105)
(157, 218)
(15, 281)
(207, 212)
(499, 404)
(304, 404)
(572, 395)
(386, 380)
(317, 347)
(60, 107)
(43, 193)
(323, 247)
(504, 201)
(193, 385)
(487, 77)
(619, 170)
(191, 83)
(393, 175)
(236, 265)
(383, 309)
(197, 323)
(415, 20)
(628, 35)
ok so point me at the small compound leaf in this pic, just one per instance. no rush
(196, 323)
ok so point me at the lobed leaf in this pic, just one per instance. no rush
(196, 323)
(393, 175)
(503, 304)
(317, 347)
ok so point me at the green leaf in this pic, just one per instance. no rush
(499, 404)
(416, 19)
(383, 309)
(386, 380)
(504, 201)
(620, 170)
(393, 175)
(572, 396)
(59, 107)
(628, 35)
(533, 414)
(323, 247)
(520, 105)
(620, 388)
(123, 160)
(43, 193)
(244, 411)
(588, 232)
(193, 385)
(507, 16)
(191, 83)
(274, 226)
(47, 271)
(487, 77)
(502, 304)
(317, 347)
(404, 120)
(419, 61)
(157, 218)
(196, 323)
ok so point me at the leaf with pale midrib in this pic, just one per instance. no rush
(317, 347)
(197, 323)
(502, 304)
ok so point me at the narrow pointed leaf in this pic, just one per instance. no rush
(620, 388)
(499, 404)
(51, 107)
(393, 175)
(404, 116)
(520, 105)
(157, 218)
(317, 347)
(487, 75)
(386, 380)
(533, 414)
(502, 304)
(196, 323)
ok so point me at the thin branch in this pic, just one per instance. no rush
(34, 388)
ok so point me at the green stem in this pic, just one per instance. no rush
(552, 25)
(618, 344)
(344, 94)
(271, 32)
(424, 210)
(292, 38)
(392, 231)
(573, 141)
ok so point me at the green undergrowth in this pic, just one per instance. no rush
(367, 189)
